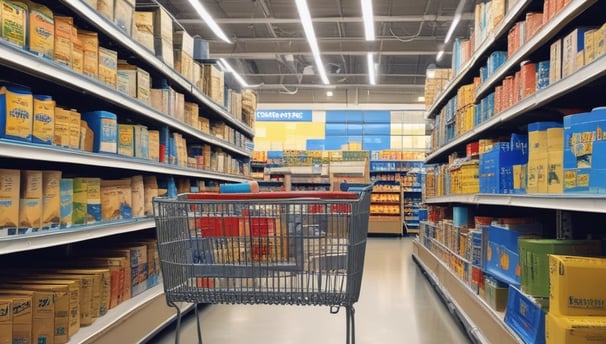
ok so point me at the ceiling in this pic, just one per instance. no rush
(270, 51)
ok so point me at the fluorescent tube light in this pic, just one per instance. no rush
(237, 76)
(371, 69)
(329, 93)
(455, 21)
(440, 54)
(369, 23)
(208, 19)
(421, 99)
(311, 38)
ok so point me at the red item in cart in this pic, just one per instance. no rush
(218, 226)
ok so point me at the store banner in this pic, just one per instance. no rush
(283, 115)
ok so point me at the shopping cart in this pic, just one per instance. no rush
(281, 248)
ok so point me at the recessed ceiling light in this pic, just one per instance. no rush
(421, 99)
(329, 93)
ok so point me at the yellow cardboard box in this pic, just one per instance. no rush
(51, 199)
(576, 286)
(144, 29)
(574, 330)
(42, 316)
(74, 129)
(61, 299)
(555, 172)
(90, 48)
(73, 289)
(154, 144)
(108, 66)
(77, 52)
(6, 321)
(119, 268)
(126, 145)
(22, 317)
(14, 22)
(62, 128)
(86, 292)
(63, 40)
(101, 287)
(138, 196)
(41, 30)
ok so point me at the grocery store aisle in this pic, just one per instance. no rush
(397, 305)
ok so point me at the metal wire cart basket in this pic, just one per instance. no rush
(282, 248)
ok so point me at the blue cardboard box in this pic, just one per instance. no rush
(501, 258)
(525, 317)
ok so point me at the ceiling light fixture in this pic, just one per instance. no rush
(371, 69)
(311, 38)
(229, 69)
(455, 21)
(440, 54)
(421, 99)
(208, 19)
(329, 93)
(369, 23)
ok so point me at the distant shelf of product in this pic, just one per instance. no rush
(385, 208)
(112, 126)
(412, 210)
(535, 72)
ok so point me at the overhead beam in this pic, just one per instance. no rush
(339, 75)
(404, 88)
(272, 55)
(385, 19)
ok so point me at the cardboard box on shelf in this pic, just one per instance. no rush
(138, 196)
(154, 144)
(143, 85)
(90, 47)
(575, 287)
(63, 40)
(214, 82)
(183, 41)
(87, 292)
(74, 129)
(51, 199)
(41, 30)
(534, 260)
(573, 44)
(21, 317)
(108, 66)
(579, 329)
(67, 202)
(14, 22)
(144, 29)
(123, 16)
(73, 295)
(61, 301)
(43, 312)
(555, 61)
(43, 126)
(184, 64)
(77, 52)
(6, 321)
(106, 8)
(101, 287)
(126, 145)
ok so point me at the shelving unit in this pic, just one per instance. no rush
(385, 208)
(481, 321)
(485, 324)
(135, 319)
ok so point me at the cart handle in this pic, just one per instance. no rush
(273, 195)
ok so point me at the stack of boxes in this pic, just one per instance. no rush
(497, 165)
(435, 82)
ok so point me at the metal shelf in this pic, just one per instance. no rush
(548, 31)
(581, 77)
(24, 61)
(487, 44)
(112, 31)
(131, 321)
(29, 151)
(74, 234)
(482, 322)
(572, 202)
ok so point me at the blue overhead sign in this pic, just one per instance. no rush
(283, 115)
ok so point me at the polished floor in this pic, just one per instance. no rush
(397, 305)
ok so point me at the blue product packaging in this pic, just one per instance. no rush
(542, 75)
(105, 127)
(16, 112)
